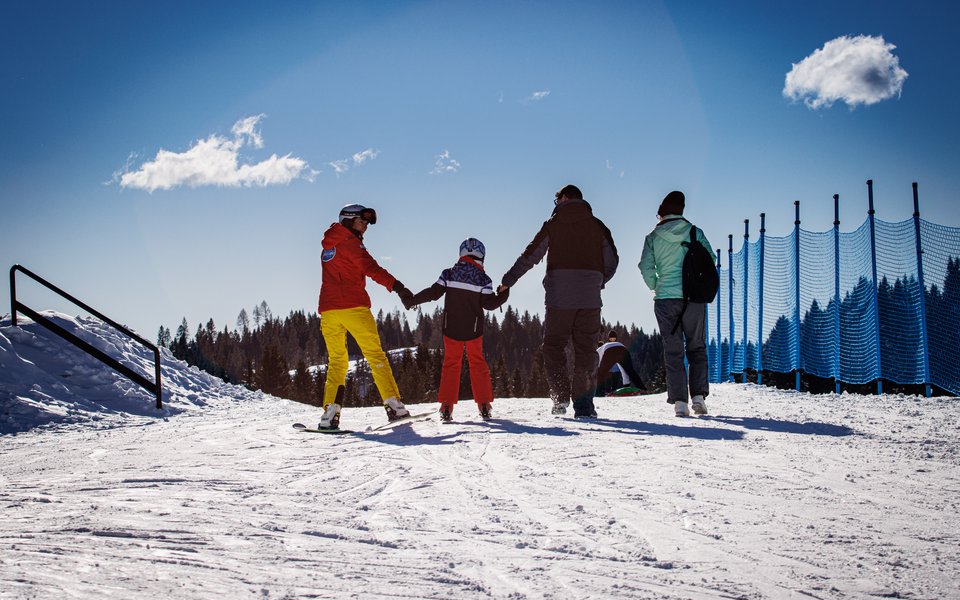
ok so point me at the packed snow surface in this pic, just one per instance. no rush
(776, 494)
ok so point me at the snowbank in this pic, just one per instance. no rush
(45, 380)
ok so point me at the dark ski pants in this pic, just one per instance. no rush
(561, 325)
(691, 335)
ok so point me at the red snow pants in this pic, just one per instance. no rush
(449, 390)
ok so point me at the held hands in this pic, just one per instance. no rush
(502, 288)
(406, 296)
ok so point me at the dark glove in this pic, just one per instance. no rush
(406, 296)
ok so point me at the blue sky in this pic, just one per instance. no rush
(453, 120)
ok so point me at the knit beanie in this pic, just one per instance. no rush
(672, 204)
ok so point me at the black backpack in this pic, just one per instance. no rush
(701, 281)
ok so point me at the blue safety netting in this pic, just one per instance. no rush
(859, 308)
(941, 278)
(819, 316)
(781, 350)
(859, 341)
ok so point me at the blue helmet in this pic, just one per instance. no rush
(473, 247)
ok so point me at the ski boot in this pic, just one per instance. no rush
(486, 411)
(395, 409)
(331, 417)
(446, 413)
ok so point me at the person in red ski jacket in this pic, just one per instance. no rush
(344, 306)
(468, 292)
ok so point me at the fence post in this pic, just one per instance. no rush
(796, 275)
(719, 319)
(923, 293)
(746, 291)
(836, 291)
(733, 344)
(763, 231)
(876, 286)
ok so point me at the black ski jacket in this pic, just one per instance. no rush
(469, 291)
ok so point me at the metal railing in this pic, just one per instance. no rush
(151, 386)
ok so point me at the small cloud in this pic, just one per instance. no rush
(361, 157)
(609, 166)
(445, 164)
(500, 99)
(537, 96)
(856, 70)
(215, 161)
(339, 166)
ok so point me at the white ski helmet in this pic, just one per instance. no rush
(473, 247)
(351, 211)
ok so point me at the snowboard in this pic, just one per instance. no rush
(629, 391)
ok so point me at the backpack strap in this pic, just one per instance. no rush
(686, 301)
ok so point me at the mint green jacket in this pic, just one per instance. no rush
(661, 262)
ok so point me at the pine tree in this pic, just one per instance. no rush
(243, 321)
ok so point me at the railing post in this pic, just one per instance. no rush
(156, 372)
(746, 291)
(13, 295)
(733, 344)
(836, 292)
(876, 286)
(763, 231)
(719, 319)
(796, 275)
(923, 292)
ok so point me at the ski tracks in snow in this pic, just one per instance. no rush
(777, 495)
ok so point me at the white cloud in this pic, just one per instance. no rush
(856, 70)
(445, 164)
(339, 166)
(216, 161)
(358, 158)
(538, 95)
(361, 157)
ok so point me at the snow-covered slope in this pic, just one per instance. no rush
(46, 380)
(775, 495)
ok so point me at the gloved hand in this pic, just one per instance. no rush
(406, 296)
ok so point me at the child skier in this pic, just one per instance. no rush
(469, 291)
(344, 306)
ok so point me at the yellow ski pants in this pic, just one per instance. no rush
(334, 325)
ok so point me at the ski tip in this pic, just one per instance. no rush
(299, 426)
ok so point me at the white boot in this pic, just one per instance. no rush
(331, 417)
(699, 405)
(395, 409)
(680, 407)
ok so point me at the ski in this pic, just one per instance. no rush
(305, 429)
(408, 419)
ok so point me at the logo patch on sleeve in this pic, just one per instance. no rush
(328, 255)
